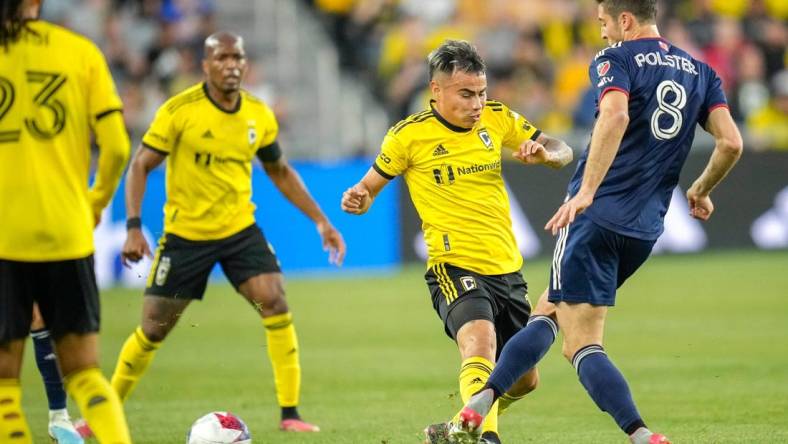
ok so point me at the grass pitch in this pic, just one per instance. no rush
(702, 339)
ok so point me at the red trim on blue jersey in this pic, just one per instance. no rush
(719, 105)
(609, 88)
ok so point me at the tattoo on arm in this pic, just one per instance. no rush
(560, 153)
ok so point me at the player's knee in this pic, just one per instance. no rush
(274, 304)
(156, 331)
(477, 343)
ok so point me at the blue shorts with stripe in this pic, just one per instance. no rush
(591, 262)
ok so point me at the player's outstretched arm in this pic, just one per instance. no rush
(114, 146)
(289, 183)
(144, 161)
(358, 198)
(727, 150)
(545, 150)
(608, 131)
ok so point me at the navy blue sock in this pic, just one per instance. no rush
(522, 352)
(47, 366)
(606, 385)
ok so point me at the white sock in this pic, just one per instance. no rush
(58, 414)
(481, 402)
(641, 436)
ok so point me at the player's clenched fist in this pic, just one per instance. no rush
(355, 200)
(135, 247)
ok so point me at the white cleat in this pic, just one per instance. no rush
(61, 430)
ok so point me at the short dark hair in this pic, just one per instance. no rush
(11, 21)
(645, 10)
(455, 55)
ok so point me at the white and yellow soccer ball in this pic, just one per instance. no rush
(219, 428)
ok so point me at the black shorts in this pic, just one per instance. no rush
(66, 293)
(181, 267)
(460, 296)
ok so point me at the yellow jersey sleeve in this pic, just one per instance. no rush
(103, 97)
(393, 158)
(271, 127)
(516, 129)
(161, 134)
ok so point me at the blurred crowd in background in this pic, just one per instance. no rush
(537, 51)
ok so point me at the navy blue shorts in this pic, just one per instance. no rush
(591, 262)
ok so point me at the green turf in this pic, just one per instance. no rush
(702, 339)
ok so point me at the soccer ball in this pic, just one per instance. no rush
(219, 428)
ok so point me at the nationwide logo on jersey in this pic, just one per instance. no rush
(485, 136)
(603, 68)
(440, 151)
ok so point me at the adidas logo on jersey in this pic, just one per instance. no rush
(207, 134)
(440, 151)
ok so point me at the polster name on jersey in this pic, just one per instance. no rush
(672, 61)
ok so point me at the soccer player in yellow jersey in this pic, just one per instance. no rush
(209, 135)
(450, 158)
(55, 90)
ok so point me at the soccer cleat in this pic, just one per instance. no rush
(657, 438)
(437, 434)
(83, 428)
(490, 437)
(62, 431)
(297, 425)
(645, 436)
(450, 433)
(468, 428)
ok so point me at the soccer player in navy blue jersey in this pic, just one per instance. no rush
(650, 96)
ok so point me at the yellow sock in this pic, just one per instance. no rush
(99, 405)
(506, 400)
(134, 359)
(13, 425)
(283, 352)
(473, 375)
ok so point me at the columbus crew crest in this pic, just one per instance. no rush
(252, 133)
(162, 270)
(485, 136)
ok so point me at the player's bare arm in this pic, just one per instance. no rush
(289, 183)
(114, 148)
(144, 161)
(358, 198)
(545, 150)
(605, 140)
(727, 150)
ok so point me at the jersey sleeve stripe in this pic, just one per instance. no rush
(612, 88)
(416, 120)
(381, 172)
(153, 148)
(536, 134)
(718, 105)
(103, 114)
